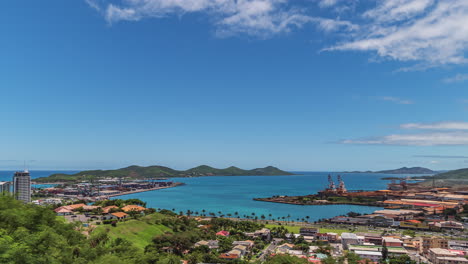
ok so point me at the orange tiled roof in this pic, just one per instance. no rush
(133, 207)
(108, 208)
(413, 221)
(119, 214)
(229, 256)
(76, 206)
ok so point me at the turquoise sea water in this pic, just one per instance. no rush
(235, 193)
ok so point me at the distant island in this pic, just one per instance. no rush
(403, 170)
(140, 172)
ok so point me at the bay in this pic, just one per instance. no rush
(231, 194)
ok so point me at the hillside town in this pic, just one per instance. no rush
(425, 226)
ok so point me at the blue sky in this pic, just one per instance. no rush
(302, 85)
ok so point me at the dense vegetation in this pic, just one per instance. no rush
(403, 170)
(139, 172)
(31, 234)
(454, 174)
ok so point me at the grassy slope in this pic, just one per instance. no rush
(457, 179)
(455, 174)
(139, 232)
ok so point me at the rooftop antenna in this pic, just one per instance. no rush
(24, 166)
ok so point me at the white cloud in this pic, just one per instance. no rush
(424, 139)
(437, 126)
(434, 32)
(253, 17)
(395, 100)
(397, 10)
(327, 3)
(457, 78)
(329, 25)
(441, 156)
(429, 32)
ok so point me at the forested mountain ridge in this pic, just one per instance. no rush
(140, 172)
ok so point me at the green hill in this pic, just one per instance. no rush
(457, 179)
(406, 170)
(139, 232)
(139, 172)
(461, 174)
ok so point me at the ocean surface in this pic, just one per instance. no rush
(230, 194)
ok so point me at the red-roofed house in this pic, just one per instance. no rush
(106, 209)
(119, 215)
(63, 211)
(222, 233)
(228, 256)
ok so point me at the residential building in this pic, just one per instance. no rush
(414, 224)
(223, 233)
(373, 239)
(432, 242)
(284, 248)
(229, 256)
(211, 244)
(398, 215)
(132, 207)
(305, 231)
(63, 211)
(264, 234)
(107, 209)
(392, 242)
(5, 187)
(392, 251)
(119, 215)
(444, 256)
(372, 255)
(22, 186)
(448, 225)
(247, 243)
(349, 239)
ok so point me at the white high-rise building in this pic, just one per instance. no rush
(5, 187)
(22, 186)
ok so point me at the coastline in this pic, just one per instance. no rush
(176, 184)
(317, 203)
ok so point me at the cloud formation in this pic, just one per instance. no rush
(437, 126)
(440, 157)
(424, 139)
(445, 134)
(252, 17)
(429, 32)
(457, 78)
(396, 100)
